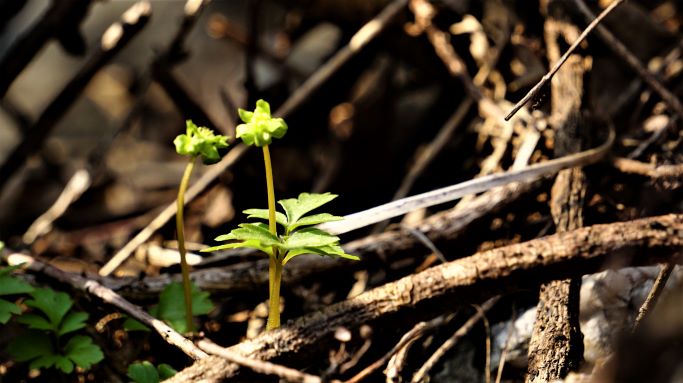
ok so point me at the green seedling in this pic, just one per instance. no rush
(298, 237)
(50, 340)
(196, 142)
(145, 372)
(10, 285)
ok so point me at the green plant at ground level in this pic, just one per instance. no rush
(196, 142)
(258, 129)
(45, 344)
(145, 372)
(171, 307)
(11, 285)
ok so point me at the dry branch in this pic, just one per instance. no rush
(471, 279)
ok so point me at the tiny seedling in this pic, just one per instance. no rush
(145, 372)
(196, 142)
(298, 237)
(46, 343)
(10, 285)
(171, 306)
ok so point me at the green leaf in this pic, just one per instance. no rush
(82, 351)
(36, 322)
(259, 126)
(264, 214)
(200, 141)
(131, 324)
(314, 220)
(53, 304)
(10, 284)
(30, 345)
(58, 361)
(7, 309)
(246, 244)
(252, 232)
(75, 320)
(295, 208)
(171, 306)
(334, 251)
(143, 372)
(310, 237)
(166, 371)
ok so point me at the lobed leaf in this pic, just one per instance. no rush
(264, 214)
(309, 237)
(10, 284)
(73, 321)
(252, 244)
(7, 309)
(143, 372)
(334, 251)
(82, 351)
(166, 371)
(295, 208)
(37, 322)
(52, 303)
(314, 220)
(30, 345)
(171, 306)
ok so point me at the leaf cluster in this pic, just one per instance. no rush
(200, 141)
(11, 285)
(145, 372)
(259, 126)
(299, 237)
(46, 343)
(171, 307)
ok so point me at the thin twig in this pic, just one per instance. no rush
(265, 368)
(625, 54)
(548, 76)
(504, 351)
(653, 295)
(421, 374)
(649, 170)
(487, 327)
(78, 183)
(170, 210)
(110, 297)
(415, 333)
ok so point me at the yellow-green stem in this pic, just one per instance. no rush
(274, 307)
(180, 227)
(275, 265)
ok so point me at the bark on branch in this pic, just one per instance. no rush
(582, 251)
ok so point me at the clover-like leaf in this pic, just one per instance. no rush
(200, 141)
(82, 351)
(295, 208)
(52, 303)
(171, 306)
(259, 126)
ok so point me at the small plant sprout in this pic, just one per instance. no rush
(196, 142)
(298, 236)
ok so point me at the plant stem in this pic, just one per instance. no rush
(180, 228)
(275, 265)
(274, 306)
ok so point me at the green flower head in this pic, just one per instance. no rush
(259, 126)
(200, 141)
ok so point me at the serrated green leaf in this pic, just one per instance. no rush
(131, 324)
(171, 306)
(82, 351)
(295, 208)
(36, 322)
(143, 372)
(314, 219)
(334, 251)
(47, 361)
(246, 244)
(263, 214)
(166, 371)
(259, 126)
(30, 345)
(10, 284)
(309, 237)
(7, 309)
(52, 303)
(73, 321)
(252, 232)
